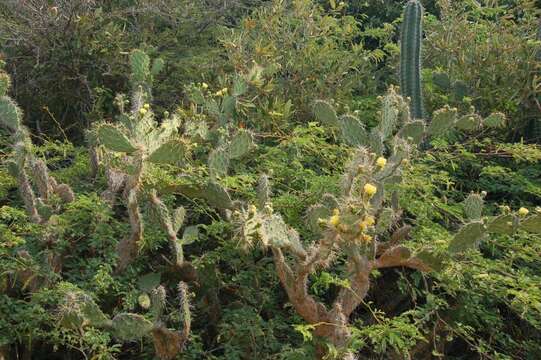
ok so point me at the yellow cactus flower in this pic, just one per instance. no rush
(143, 111)
(336, 212)
(146, 106)
(370, 220)
(204, 85)
(523, 211)
(334, 220)
(381, 162)
(366, 238)
(370, 189)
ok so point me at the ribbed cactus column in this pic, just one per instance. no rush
(410, 56)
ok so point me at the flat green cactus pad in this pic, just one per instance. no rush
(352, 130)
(325, 113)
(10, 113)
(503, 224)
(467, 237)
(114, 139)
(130, 326)
(241, 144)
(532, 224)
(171, 152)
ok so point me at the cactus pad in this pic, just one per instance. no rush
(157, 66)
(314, 214)
(10, 114)
(467, 237)
(178, 218)
(5, 83)
(375, 140)
(352, 130)
(241, 144)
(114, 139)
(503, 224)
(218, 162)
(473, 206)
(532, 224)
(468, 122)
(441, 80)
(442, 120)
(385, 219)
(325, 113)
(171, 152)
(495, 120)
(413, 131)
(460, 89)
(140, 64)
(130, 326)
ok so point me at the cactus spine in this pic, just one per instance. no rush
(410, 56)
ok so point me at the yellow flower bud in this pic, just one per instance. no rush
(505, 208)
(204, 85)
(336, 212)
(146, 106)
(370, 190)
(252, 209)
(144, 301)
(523, 211)
(143, 111)
(381, 161)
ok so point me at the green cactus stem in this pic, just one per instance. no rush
(410, 56)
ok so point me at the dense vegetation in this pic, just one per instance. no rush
(270, 179)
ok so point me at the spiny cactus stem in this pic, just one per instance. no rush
(166, 223)
(127, 248)
(185, 312)
(410, 56)
(28, 196)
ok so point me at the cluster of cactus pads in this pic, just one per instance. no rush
(363, 223)
(137, 140)
(395, 119)
(78, 310)
(478, 227)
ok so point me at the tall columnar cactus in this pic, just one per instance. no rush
(78, 311)
(410, 56)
